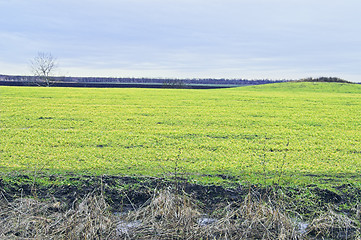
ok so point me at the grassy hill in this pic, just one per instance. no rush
(325, 87)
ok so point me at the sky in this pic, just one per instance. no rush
(247, 39)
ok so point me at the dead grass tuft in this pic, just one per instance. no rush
(255, 219)
(335, 225)
(29, 218)
(172, 216)
(167, 216)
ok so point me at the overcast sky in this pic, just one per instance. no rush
(274, 39)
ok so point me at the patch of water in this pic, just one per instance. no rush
(123, 227)
(204, 221)
(302, 227)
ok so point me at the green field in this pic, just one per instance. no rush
(287, 133)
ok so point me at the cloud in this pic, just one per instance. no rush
(186, 38)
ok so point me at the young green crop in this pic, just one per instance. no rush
(298, 133)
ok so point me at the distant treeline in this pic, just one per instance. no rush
(165, 81)
(114, 85)
(324, 79)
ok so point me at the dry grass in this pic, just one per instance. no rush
(335, 225)
(166, 215)
(172, 216)
(255, 219)
(27, 218)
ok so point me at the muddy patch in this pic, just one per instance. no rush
(135, 191)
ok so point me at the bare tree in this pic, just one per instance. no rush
(42, 67)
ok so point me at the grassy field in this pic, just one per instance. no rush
(287, 133)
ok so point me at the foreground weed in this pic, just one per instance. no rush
(166, 215)
(334, 225)
(27, 218)
(173, 216)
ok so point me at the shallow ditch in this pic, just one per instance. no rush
(309, 212)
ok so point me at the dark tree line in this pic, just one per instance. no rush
(165, 81)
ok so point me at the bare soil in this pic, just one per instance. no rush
(120, 191)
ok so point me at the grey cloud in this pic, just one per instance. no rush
(234, 38)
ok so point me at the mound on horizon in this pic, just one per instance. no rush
(324, 79)
(308, 86)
